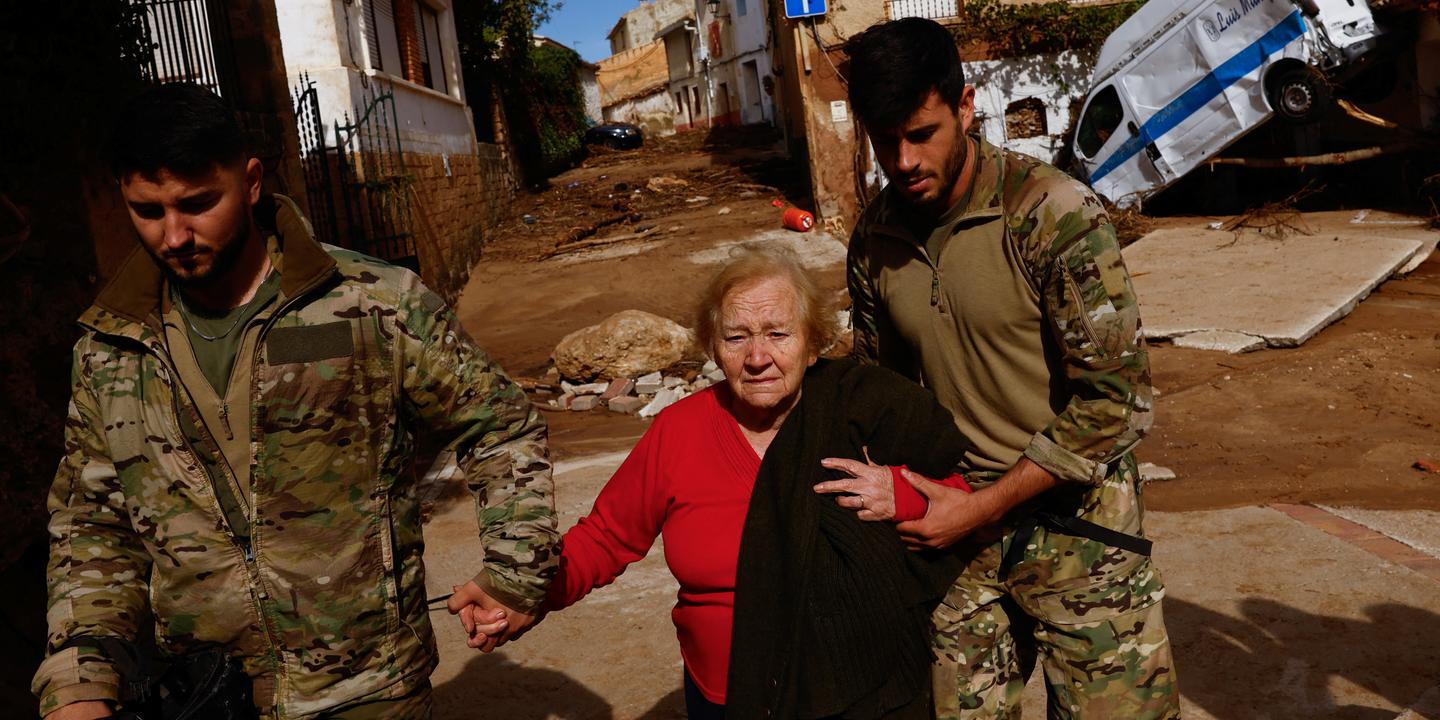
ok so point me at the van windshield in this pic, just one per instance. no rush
(1100, 121)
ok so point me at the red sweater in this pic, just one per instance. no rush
(689, 481)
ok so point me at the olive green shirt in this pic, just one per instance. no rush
(213, 398)
(217, 356)
(1016, 310)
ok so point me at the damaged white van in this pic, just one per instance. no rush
(1182, 79)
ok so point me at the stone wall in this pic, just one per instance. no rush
(452, 212)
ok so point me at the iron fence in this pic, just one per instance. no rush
(316, 160)
(375, 184)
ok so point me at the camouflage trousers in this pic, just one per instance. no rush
(414, 705)
(1089, 613)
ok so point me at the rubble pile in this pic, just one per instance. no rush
(645, 395)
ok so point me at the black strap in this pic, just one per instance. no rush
(1099, 533)
(1069, 525)
(1019, 540)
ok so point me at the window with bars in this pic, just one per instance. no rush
(933, 9)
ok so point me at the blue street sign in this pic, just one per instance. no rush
(804, 8)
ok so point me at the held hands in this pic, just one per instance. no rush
(871, 488)
(487, 622)
(953, 514)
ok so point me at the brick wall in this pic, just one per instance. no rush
(453, 214)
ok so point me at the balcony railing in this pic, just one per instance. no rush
(933, 9)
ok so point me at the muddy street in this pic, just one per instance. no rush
(1340, 426)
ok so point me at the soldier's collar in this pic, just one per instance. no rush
(135, 292)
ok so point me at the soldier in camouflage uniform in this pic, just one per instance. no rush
(997, 282)
(274, 514)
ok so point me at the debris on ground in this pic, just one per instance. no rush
(1429, 466)
(727, 167)
(1150, 472)
(1130, 224)
(1274, 220)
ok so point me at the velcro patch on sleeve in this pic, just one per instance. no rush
(309, 343)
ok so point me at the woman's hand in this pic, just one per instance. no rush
(871, 487)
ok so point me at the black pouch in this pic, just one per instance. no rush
(206, 684)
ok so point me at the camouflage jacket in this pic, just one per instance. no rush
(1025, 325)
(325, 604)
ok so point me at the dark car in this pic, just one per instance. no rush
(618, 135)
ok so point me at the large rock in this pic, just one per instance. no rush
(627, 344)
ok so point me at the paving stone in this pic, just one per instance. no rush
(584, 402)
(628, 404)
(618, 387)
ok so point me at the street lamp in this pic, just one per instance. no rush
(714, 6)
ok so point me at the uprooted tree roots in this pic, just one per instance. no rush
(1274, 220)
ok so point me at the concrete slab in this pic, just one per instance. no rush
(1222, 340)
(1427, 248)
(1269, 618)
(1420, 529)
(1286, 290)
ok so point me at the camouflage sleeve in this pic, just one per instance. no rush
(499, 442)
(1091, 309)
(98, 570)
(863, 322)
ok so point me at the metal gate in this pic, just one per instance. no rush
(316, 161)
(191, 43)
(376, 187)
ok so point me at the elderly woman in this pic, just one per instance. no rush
(790, 605)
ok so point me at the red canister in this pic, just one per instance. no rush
(798, 220)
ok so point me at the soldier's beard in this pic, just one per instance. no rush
(225, 256)
(949, 176)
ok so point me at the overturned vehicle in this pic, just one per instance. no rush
(1181, 80)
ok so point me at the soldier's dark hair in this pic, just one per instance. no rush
(895, 65)
(179, 127)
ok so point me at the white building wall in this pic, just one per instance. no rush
(590, 91)
(746, 39)
(653, 113)
(325, 39)
(1058, 80)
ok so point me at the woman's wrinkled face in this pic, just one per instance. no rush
(762, 345)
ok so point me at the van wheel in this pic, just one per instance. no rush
(1299, 95)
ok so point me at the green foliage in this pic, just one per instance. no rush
(559, 107)
(535, 85)
(1007, 30)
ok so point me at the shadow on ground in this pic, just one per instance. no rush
(492, 686)
(1281, 662)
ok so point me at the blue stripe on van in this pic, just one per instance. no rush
(1214, 83)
